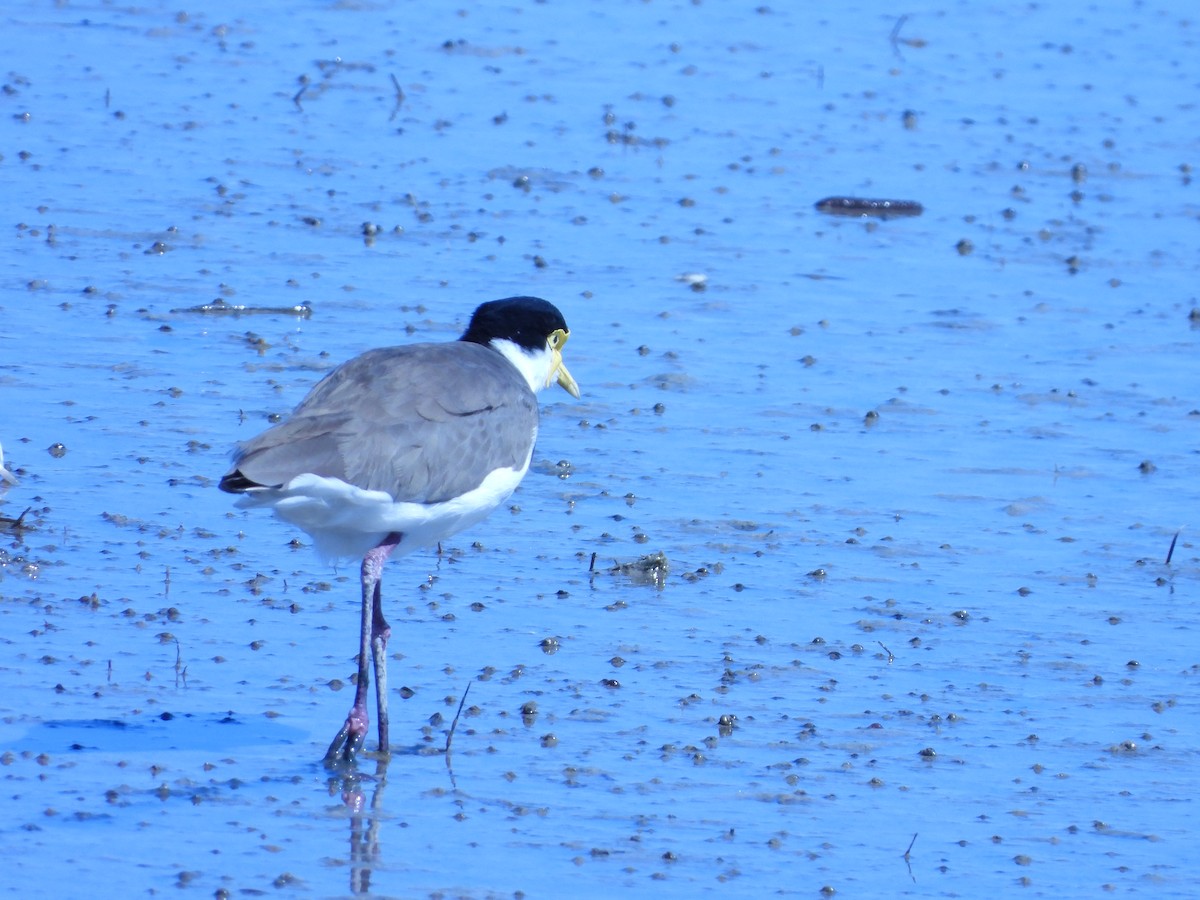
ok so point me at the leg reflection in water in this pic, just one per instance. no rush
(366, 816)
(364, 821)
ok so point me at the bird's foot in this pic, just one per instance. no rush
(349, 740)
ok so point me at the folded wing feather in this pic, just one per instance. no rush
(399, 420)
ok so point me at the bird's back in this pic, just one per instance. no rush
(423, 423)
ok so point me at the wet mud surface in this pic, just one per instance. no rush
(847, 573)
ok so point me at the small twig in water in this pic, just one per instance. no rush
(908, 860)
(399, 99)
(592, 565)
(180, 668)
(1171, 550)
(454, 724)
(891, 659)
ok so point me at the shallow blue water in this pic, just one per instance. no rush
(980, 572)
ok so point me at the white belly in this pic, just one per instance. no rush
(347, 521)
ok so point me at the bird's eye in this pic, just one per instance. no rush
(558, 338)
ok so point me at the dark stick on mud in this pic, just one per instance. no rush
(454, 724)
(860, 207)
(908, 860)
(1171, 550)
(220, 308)
(180, 668)
(399, 99)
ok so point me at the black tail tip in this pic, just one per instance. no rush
(236, 483)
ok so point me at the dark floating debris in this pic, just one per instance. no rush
(17, 525)
(862, 206)
(220, 308)
(649, 569)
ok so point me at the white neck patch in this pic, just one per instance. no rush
(535, 366)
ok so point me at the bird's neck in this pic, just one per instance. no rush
(535, 366)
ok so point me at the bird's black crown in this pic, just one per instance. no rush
(526, 321)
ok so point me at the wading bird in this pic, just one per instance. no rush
(399, 449)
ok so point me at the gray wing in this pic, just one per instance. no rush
(424, 423)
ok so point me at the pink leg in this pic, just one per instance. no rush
(373, 637)
(380, 632)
